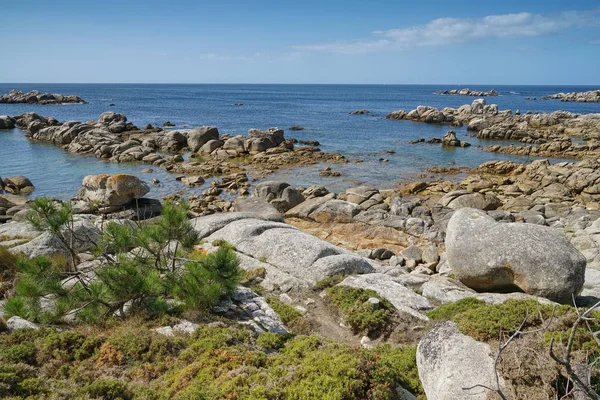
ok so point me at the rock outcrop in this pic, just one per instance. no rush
(451, 140)
(490, 256)
(302, 258)
(468, 92)
(112, 190)
(593, 96)
(449, 362)
(198, 137)
(18, 184)
(36, 97)
(6, 122)
(487, 122)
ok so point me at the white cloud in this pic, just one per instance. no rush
(445, 31)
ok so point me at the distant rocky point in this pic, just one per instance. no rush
(593, 96)
(468, 92)
(35, 97)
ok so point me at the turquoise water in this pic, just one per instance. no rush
(321, 109)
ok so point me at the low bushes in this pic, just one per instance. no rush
(358, 312)
(133, 362)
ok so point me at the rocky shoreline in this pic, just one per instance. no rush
(417, 247)
(36, 97)
(113, 138)
(592, 96)
(507, 236)
(546, 134)
(468, 92)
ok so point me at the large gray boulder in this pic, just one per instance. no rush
(284, 247)
(172, 141)
(112, 190)
(257, 206)
(270, 190)
(18, 229)
(279, 194)
(449, 362)
(198, 137)
(465, 198)
(490, 256)
(45, 244)
(18, 184)
(342, 264)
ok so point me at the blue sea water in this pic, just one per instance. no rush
(322, 109)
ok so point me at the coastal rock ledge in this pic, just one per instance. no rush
(36, 97)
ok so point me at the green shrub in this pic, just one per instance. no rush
(583, 339)
(449, 310)
(214, 362)
(272, 341)
(88, 348)
(358, 312)
(286, 312)
(330, 281)
(390, 364)
(485, 322)
(61, 346)
(108, 389)
(12, 377)
(32, 387)
(19, 353)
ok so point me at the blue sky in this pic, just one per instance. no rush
(341, 41)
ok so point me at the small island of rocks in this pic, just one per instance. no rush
(593, 96)
(36, 97)
(468, 92)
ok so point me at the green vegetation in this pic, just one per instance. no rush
(329, 282)
(273, 341)
(449, 310)
(358, 312)
(133, 362)
(253, 277)
(485, 321)
(163, 266)
(291, 317)
(286, 312)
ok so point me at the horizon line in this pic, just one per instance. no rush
(464, 85)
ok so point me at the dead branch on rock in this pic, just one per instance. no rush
(503, 346)
(565, 362)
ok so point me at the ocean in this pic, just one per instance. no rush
(323, 110)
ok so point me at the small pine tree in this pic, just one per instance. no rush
(139, 280)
